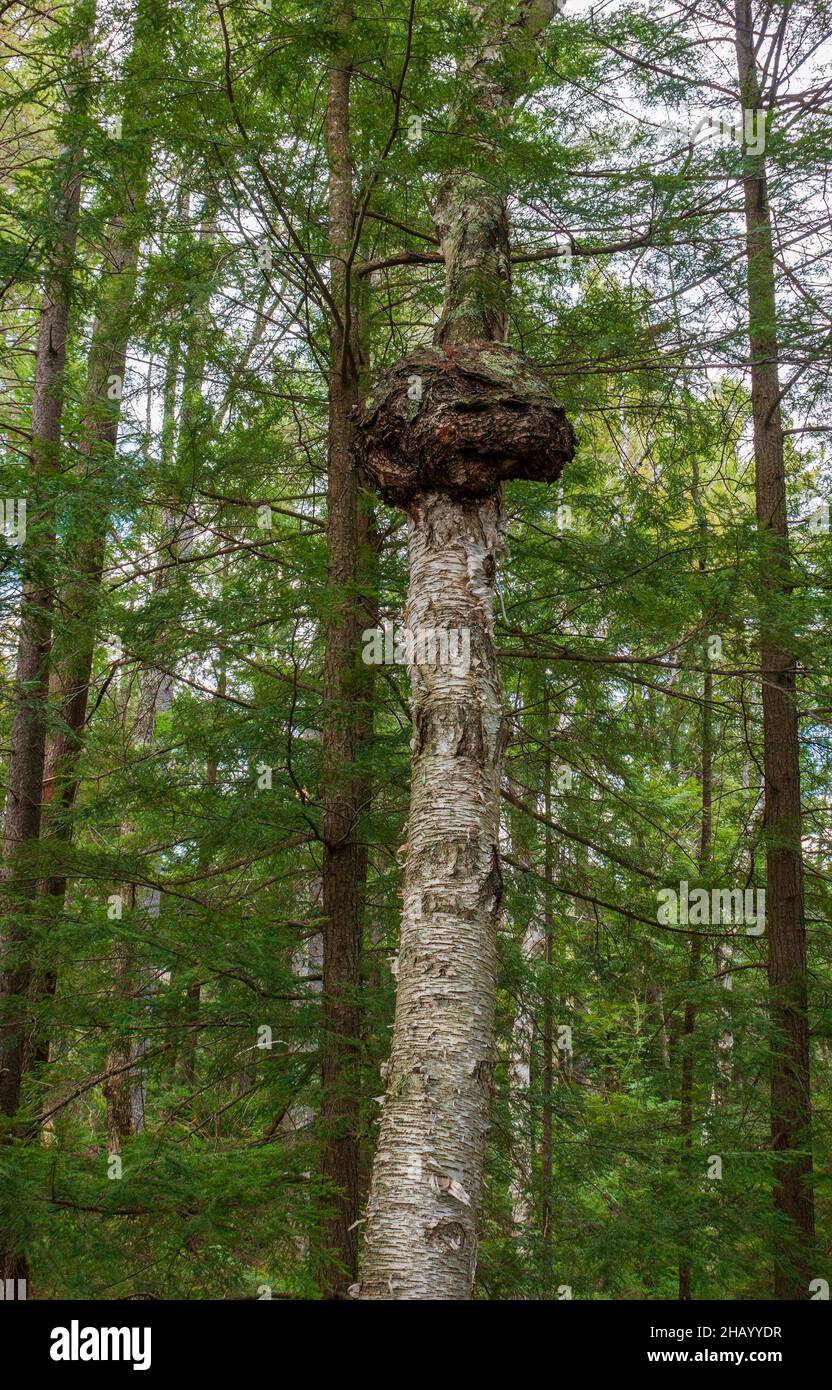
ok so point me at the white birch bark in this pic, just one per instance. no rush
(421, 1231)
(426, 1183)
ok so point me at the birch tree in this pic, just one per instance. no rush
(440, 433)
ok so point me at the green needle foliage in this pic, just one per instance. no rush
(183, 966)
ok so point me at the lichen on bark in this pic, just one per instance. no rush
(440, 433)
(421, 1222)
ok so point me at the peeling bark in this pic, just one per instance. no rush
(481, 415)
(421, 1238)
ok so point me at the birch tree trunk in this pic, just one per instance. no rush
(480, 416)
(426, 1187)
(790, 1093)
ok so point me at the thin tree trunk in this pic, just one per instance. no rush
(695, 949)
(125, 1109)
(124, 1089)
(78, 604)
(655, 997)
(347, 694)
(193, 994)
(694, 959)
(22, 821)
(521, 1068)
(790, 1088)
(125, 1092)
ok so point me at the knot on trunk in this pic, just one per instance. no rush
(460, 420)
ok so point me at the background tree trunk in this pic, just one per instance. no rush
(347, 695)
(790, 1094)
(72, 658)
(22, 821)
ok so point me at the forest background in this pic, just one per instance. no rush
(216, 230)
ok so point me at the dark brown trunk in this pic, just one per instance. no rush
(23, 802)
(347, 693)
(79, 597)
(22, 821)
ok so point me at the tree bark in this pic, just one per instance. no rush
(547, 1149)
(347, 705)
(22, 820)
(427, 1177)
(790, 1091)
(695, 949)
(79, 598)
(426, 1192)
(28, 735)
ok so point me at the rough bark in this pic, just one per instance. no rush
(421, 1232)
(790, 1093)
(546, 1140)
(28, 734)
(79, 597)
(461, 420)
(22, 820)
(347, 691)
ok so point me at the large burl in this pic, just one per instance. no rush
(461, 420)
